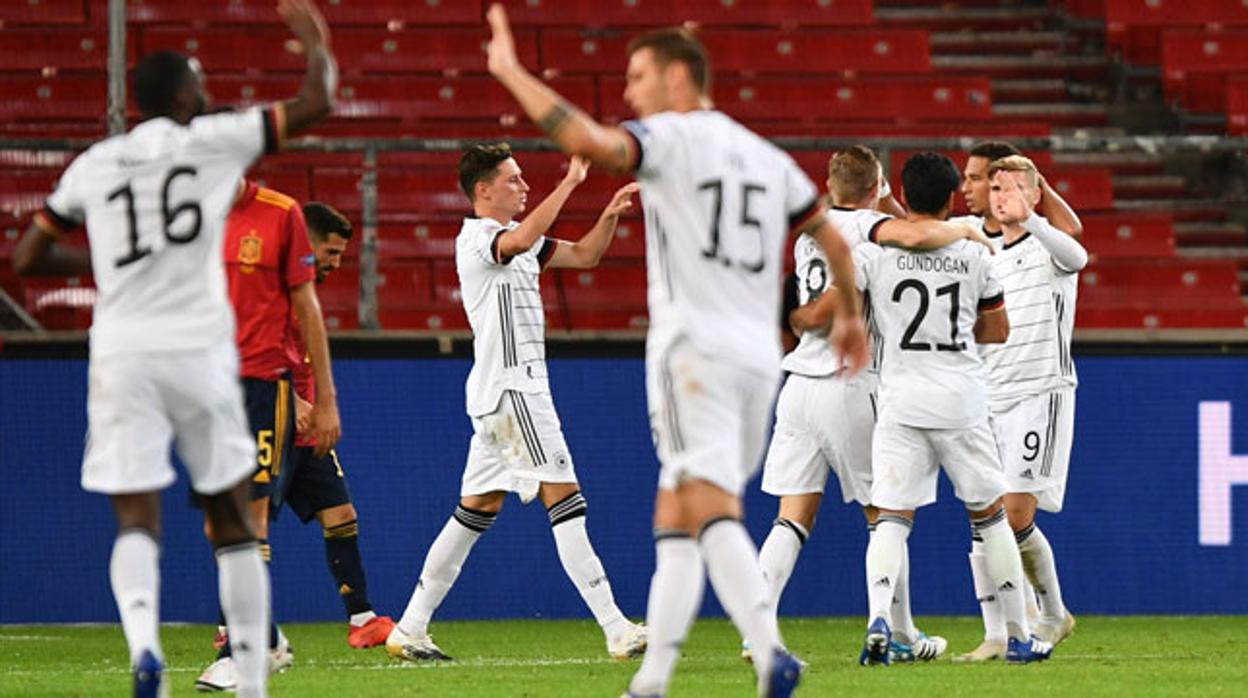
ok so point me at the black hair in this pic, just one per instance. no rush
(994, 150)
(324, 220)
(158, 79)
(929, 179)
(479, 164)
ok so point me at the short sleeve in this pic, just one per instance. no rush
(64, 209)
(864, 258)
(654, 137)
(245, 135)
(480, 237)
(992, 296)
(299, 267)
(801, 198)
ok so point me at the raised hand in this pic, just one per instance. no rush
(622, 200)
(305, 21)
(501, 49)
(578, 170)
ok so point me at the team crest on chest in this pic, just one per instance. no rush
(250, 251)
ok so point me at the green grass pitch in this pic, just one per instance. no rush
(1120, 657)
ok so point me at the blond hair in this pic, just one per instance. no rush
(852, 173)
(1016, 163)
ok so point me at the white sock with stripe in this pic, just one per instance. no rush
(1041, 569)
(1005, 567)
(732, 564)
(442, 566)
(884, 561)
(244, 587)
(135, 574)
(778, 556)
(675, 599)
(581, 564)
(986, 591)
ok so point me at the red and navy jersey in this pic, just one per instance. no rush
(267, 254)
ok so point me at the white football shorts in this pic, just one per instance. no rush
(139, 403)
(1034, 437)
(517, 447)
(906, 463)
(822, 424)
(708, 418)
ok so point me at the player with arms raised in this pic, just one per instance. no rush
(718, 202)
(164, 367)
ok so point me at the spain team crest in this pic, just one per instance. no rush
(250, 249)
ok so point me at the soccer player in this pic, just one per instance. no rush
(314, 486)
(270, 267)
(1031, 381)
(517, 443)
(824, 419)
(164, 367)
(1021, 502)
(932, 308)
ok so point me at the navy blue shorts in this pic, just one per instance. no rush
(310, 484)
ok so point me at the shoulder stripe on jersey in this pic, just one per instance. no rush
(992, 302)
(547, 251)
(495, 253)
(274, 198)
(874, 232)
(799, 218)
(52, 222)
(631, 128)
(274, 124)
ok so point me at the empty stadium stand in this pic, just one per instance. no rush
(1166, 252)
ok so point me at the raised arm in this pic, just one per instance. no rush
(574, 130)
(849, 336)
(535, 225)
(587, 252)
(1059, 213)
(320, 82)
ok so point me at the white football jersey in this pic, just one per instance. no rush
(814, 356)
(1040, 299)
(154, 202)
(925, 305)
(503, 301)
(719, 202)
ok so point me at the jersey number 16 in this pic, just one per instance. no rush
(169, 215)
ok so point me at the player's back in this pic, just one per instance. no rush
(719, 202)
(814, 356)
(926, 305)
(154, 201)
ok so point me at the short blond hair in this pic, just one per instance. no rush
(1016, 163)
(852, 173)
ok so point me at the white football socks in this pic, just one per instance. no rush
(583, 567)
(675, 599)
(135, 573)
(732, 564)
(244, 588)
(902, 622)
(1005, 568)
(778, 556)
(885, 553)
(443, 563)
(1041, 569)
(986, 592)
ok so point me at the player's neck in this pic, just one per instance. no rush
(991, 225)
(486, 212)
(920, 217)
(1013, 232)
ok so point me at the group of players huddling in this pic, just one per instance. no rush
(968, 364)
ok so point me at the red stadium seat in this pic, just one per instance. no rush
(340, 296)
(20, 12)
(291, 181)
(1195, 66)
(1237, 105)
(1085, 188)
(422, 240)
(1165, 281)
(657, 13)
(406, 283)
(54, 98)
(57, 50)
(612, 296)
(760, 51)
(22, 193)
(1232, 315)
(1135, 26)
(358, 12)
(1112, 235)
(803, 100)
(359, 51)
